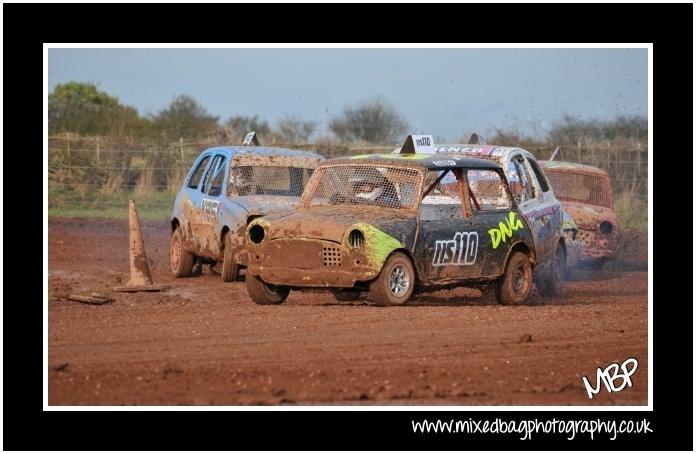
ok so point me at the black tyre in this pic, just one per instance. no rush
(230, 268)
(395, 283)
(346, 295)
(514, 286)
(263, 293)
(180, 260)
(552, 281)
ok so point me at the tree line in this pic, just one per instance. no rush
(83, 108)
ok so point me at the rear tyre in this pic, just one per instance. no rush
(180, 260)
(263, 293)
(394, 284)
(553, 279)
(346, 295)
(230, 268)
(514, 286)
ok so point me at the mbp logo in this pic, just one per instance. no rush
(423, 141)
(610, 375)
(461, 250)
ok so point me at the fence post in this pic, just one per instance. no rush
(67, 141)
(97, 150)
(181, 148)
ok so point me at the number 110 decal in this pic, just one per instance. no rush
(461, 250)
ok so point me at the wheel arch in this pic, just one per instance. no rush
(410, 257)
(521, 246)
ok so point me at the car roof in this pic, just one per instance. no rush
(425, 160)
(574, 166)
(264, 151)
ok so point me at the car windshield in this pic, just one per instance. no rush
(580, 187)
(371, 185)
(268, 180)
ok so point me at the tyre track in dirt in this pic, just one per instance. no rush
(204, 342)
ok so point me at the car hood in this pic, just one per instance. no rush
(265, 204)
(331, 223)
(587, 216)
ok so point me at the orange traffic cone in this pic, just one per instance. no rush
(140, 279)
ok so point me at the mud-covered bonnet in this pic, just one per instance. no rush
(331, 223)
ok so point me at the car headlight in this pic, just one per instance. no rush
(356, 239)
(606, 227)
(256, 234)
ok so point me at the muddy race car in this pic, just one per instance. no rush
(225, 189)
(395, 224)
(586, 194)
(553, 228)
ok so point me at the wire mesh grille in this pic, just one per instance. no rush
(488, 190)
(369, 185)
(445, 192)
(332, 256)
(265, 180)
(580, 187)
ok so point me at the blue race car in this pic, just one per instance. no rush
(225, 189)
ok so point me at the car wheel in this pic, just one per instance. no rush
(180, 260)
(346, 295)
(394, 284)
(552, 281)
(230, 268)
(263, 293)
(514, 286)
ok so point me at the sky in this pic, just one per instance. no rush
(448, 93)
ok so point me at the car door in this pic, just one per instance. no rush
(207, 201)
(189, 199)
(448, 241)
(495, 217)
(538, 205)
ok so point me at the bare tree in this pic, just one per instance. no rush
(237, 127)
(372, 121)
(295, 130)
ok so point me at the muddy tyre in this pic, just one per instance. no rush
(514, 286)
(263, 293)
(230, 268)
(346, 295)
(180, 260)
(552, 281)
(394, 284)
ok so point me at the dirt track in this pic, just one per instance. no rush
(204, 342)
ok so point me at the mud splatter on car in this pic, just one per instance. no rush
(225, 189)
(392, 225)
(586, 194)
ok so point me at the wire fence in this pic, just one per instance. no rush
(101, 172)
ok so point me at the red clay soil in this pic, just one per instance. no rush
(204, 342)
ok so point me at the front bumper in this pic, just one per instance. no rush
(298, 277)
(309, 263)
(595, 245)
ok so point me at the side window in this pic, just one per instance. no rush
(541, 178)
(520, 183)
(198, 173)
(444, 200)
(487, 190)
(212, 170)
(215, 188)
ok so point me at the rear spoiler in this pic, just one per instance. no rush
(252, 138)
